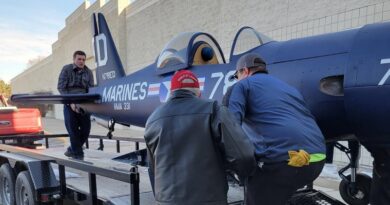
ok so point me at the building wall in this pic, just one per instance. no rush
(151, 24)
(141, 29)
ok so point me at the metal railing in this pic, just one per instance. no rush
(132, 177)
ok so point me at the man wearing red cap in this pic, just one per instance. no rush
(191, 142)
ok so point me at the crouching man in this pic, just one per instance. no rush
(191, 142)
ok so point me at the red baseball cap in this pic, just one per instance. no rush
(184, 79)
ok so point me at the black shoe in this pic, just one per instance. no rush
(68, 153)
(74, 156)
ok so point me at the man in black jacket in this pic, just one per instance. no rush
(76, 78)
(191, 142)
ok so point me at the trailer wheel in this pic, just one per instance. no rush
(363, 186)
(24, 190)
(7, 184)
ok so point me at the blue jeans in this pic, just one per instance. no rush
(78, 127)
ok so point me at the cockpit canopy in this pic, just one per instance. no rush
(247, 39)
(189, 49)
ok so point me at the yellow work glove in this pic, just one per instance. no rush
(298, 159)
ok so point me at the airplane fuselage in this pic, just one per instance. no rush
(342, 76)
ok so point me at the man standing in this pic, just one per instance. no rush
(288, 143)
(76, 78)
(191, 142)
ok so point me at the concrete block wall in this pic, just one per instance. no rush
(151, 24)
(339, 21)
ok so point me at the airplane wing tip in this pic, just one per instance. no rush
(55, 99)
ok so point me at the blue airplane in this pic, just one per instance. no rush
(343, 77)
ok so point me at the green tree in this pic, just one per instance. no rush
(5, 89)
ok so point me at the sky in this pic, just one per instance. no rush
(28, 28)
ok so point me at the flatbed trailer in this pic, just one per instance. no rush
(100, 178)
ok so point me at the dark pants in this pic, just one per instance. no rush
(78, 127)
(380, 186)
(274, 184)
(329, 152)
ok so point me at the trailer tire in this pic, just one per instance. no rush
(24, 190)
(7, 185)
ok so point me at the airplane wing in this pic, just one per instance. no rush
(56, 99)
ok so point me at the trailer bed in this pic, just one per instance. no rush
(113, 191)
(109, 190)
(114, 182)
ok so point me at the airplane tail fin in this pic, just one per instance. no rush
(109, 65)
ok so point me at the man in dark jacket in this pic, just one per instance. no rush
(289, 145)
(191, 142)
(76, 78)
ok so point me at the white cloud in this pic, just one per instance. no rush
(28, 29)
(17, 46)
